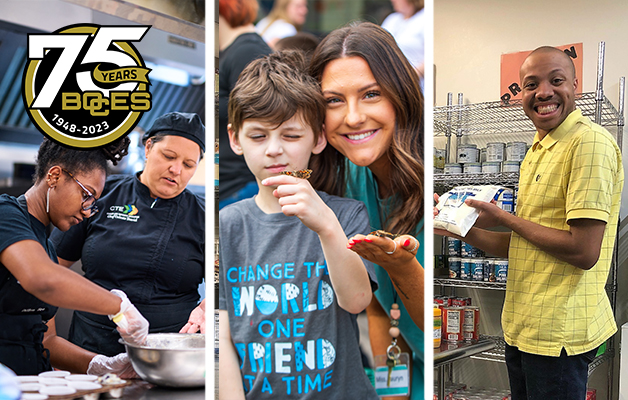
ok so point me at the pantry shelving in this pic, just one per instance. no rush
(443, 182)
(499, 118)
(469, 284)
(495, 117)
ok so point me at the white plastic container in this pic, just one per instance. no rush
(453, 168)
(491, 167)
(472, 168)
(510, 166)
(468, 153)
(495, 151)
(516, 151)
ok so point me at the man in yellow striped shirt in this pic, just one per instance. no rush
(556, 312)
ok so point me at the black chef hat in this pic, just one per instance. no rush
(177, 123)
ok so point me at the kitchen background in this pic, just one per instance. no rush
(174, 48)
(469, 39)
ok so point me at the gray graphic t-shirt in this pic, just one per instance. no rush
(292, 338)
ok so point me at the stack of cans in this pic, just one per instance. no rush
(460, 319)
(467, 262)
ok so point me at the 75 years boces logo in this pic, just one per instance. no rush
(86, 85)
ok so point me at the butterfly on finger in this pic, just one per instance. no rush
(302, 174)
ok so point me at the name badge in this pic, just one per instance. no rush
(399, 383)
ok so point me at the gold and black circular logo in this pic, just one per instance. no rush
(86, 85)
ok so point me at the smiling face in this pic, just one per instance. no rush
(170, 164)
(268, 150)
(67, 197)
(360, 120)
(548, 88)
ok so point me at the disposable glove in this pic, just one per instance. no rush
(119, 365)
(133, 327)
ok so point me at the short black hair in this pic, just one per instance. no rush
(78, 161)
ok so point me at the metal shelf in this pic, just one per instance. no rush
(597, 361)
(470, 284)
(497, 117)
(510, 179)
(496, 354)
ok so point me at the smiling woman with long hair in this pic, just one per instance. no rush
(374, 124)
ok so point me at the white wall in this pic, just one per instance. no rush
(471, 36)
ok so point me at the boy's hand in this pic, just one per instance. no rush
(385, 251)
(298, 198)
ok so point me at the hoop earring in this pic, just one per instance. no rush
(48, 200)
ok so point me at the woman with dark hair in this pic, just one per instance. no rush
(67, 184)
(374, 123)
(239, 45)
(150, 242)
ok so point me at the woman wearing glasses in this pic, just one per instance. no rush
(147, 239)
(32, 285)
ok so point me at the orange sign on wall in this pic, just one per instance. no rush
(511, 62)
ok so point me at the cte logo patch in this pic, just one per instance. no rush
(86, 85)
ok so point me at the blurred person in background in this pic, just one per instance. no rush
(407, 25)
(239, 45)
(304, 41)
(149, 240)
(285, 19)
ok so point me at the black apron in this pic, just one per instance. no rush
(98, 334)
(22, 317)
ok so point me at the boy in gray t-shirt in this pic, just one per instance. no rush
(290, 289)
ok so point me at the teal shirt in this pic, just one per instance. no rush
(362, 186)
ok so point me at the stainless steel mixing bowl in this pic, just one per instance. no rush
(170, 359)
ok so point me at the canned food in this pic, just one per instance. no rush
(461, 301)
(453, 168)
(477, 269)
(472, 168)
(439, 261)
(489, 271)
(468, 153)
(454, 267)
(453, 319)
(501, 269)
(439, 158)
(470, 251)
(465, 269)
(454, 246)
(471, 324)
(510, 166)
(491, 167)
(447, 300)
(483, 154)
(506, 201)
(516, 151)
(495, 151)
